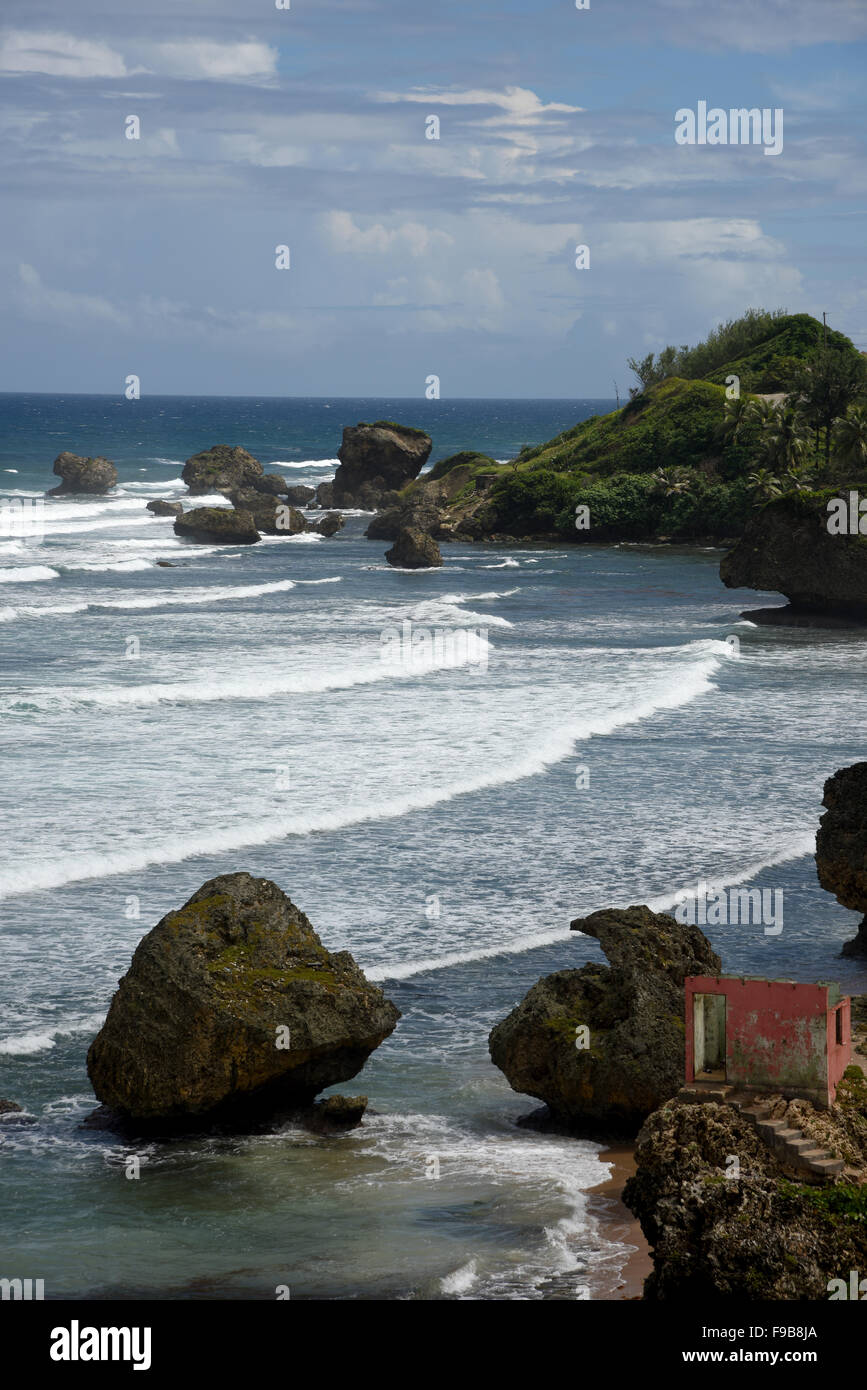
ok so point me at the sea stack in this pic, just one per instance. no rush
(83, 475)
(841, 846)
(233, 1009)
(630, 1057)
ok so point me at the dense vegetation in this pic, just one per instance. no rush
(694, 451)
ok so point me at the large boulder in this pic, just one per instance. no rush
(299, 494)
(325, 495)
(841, 846)
(272, 484)
(377, 459)
(330, 524)
(83, 475)
(161, 508)
(271, 514)
(233, 1009)
(634, 1010)
(787, 548)
(414, 550)
(225, 525)
(222, 467)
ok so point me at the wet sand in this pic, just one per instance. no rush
(606, 1202)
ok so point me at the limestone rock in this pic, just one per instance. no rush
(232, 1008)
(377, 459)
(841, 845)
(223, 524)
(634, 1011)
(161, 508)
(222, 467)
(787, 548)
(271, 514)
(330, 524)
(83, 475)
(299, 494)
(414, 550)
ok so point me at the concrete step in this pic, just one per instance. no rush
(828, 1167)
(768, 1128)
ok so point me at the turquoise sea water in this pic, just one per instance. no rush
(433, 821)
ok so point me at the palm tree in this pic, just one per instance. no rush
(738, 414)
(785, 438)
(764, 486)
(673, 484)
(850, 437)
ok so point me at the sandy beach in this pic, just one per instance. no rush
(606, 1200)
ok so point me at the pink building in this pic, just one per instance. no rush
(767, 1035)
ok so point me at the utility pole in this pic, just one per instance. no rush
(825, 330)
(617, 394)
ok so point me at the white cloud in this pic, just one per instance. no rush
(38, 301)
(203, 58)
(377, 239)
(521, 105)
(58, 55)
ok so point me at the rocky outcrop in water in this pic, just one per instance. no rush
(841, 846)
(233, 1009)
(325, 495)
(376, 460)
(787, 548)
(762, 1235)
(225, 525)
(272, 515)
(330, 524)
(10, 1107)
(220, 468)
(83, 475)
(633, 1010)
(161, 508)
(414, 550)
(299, 494)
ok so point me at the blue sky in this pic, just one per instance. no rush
(412, 257)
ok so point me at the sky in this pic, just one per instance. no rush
(411, 257)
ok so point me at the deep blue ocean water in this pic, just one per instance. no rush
(599, 742)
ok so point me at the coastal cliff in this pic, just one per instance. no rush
(841, 846)
(750, 1229)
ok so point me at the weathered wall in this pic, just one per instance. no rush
(779, 1036)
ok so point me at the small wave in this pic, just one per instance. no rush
(114, 567)
(28, 1044)
(462, 1279)
(27, 574)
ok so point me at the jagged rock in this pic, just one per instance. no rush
(759, 1236)
(10, 1107)
(413, 550)
(79, 474)
(337, 1113)
(160, 508)
(271, 514)
(787, 548)
(634, 1011)
(223, 524)
(376, 459)
(222, 467)
(325, 495)
(330, 524)
(271, 484)
(299, 494)
(420, 512)
(232, 1008)
(841, 846)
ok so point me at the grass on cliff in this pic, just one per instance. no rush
(840, 1202)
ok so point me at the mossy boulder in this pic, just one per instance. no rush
(83, 475)
(222, 467)
(633, 1011)
(231, 1009)
(162, 508)
(225, 525)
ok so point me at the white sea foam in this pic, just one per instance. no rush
(27, 574)
(112, 566)
(42, 1040)
(673, 692)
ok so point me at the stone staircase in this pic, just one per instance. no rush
(791, 1146)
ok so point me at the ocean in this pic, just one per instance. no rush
(612, 732)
